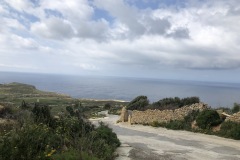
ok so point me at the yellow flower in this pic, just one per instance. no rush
(52, 151)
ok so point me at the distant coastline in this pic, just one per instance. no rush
(102, 100)
(125, 89)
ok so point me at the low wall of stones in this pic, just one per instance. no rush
(149, 116)
(234, 118)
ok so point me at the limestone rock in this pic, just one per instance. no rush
(124, 115)
(149, 116)
(234, 118)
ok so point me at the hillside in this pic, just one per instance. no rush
(14, 93)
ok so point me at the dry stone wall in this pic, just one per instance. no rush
(124, 115)
(149, 116)
(234, 118)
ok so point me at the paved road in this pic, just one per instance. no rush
(148, 143)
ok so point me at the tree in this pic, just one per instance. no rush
(138, 103)
(107, 106)
(236, 108)
(70, 110)
(42, 114)
(24, 105)
(189, 101)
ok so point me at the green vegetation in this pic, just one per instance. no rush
(23, 95)
(185, 124)
(230, 130)
(236, 108)
(107, 106)
(173, 103)
(208, 118)
(44, 137)
(142, 103)
(115, 111)
(138, 103)
(205, 121)
(44, 125)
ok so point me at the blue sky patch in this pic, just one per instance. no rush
(100, 13)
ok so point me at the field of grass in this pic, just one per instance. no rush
(16, 93)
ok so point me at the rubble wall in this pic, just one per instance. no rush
(234, 118)
(149, 116)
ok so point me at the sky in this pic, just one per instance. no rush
(166, 39)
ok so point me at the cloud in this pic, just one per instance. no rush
(138, 22)
(191, 35)
(86, 66)
(97, 30)
(21, 6)
(180, 33)
(53, 28)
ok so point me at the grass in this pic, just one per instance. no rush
(17, 92)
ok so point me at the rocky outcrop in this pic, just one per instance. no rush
(149, 116)
(234, 118)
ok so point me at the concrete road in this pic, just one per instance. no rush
(149, 143)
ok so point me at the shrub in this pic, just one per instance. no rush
(173, 103)
(68, 137)
(107, 106)
(230, 130)
(106, 133)
(6, 111)
(189, 101)
(138, 103)
(236, 108)
(208, 118)
(70, 110)
(189, 119)
(73, 154)
(29, 142)
(157, 124)
(115, 111)
(176, 125)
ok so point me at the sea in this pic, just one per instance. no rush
(215, 94)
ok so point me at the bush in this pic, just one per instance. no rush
(158, 124)
(107, 106)
(173, 103)
(236, 108)
(189, 119)
(189, 101)
(70, 110)
(115, 111)
(176, 125)
(230, 130)
(6, 111)
(138, 103)
(73, 154)
(29, 142)
(106, 133)
(68, 137)
(208, 118)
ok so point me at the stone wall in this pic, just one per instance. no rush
(124, 115)
(148, 116)
(234, 118)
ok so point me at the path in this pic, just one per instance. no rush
(149, 143)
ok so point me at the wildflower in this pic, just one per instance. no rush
(52, 151)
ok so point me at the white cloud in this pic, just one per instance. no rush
(20, 5)
(86, 66)
(53, 28)
(202, 35)
(17, 66)
(72, 10)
